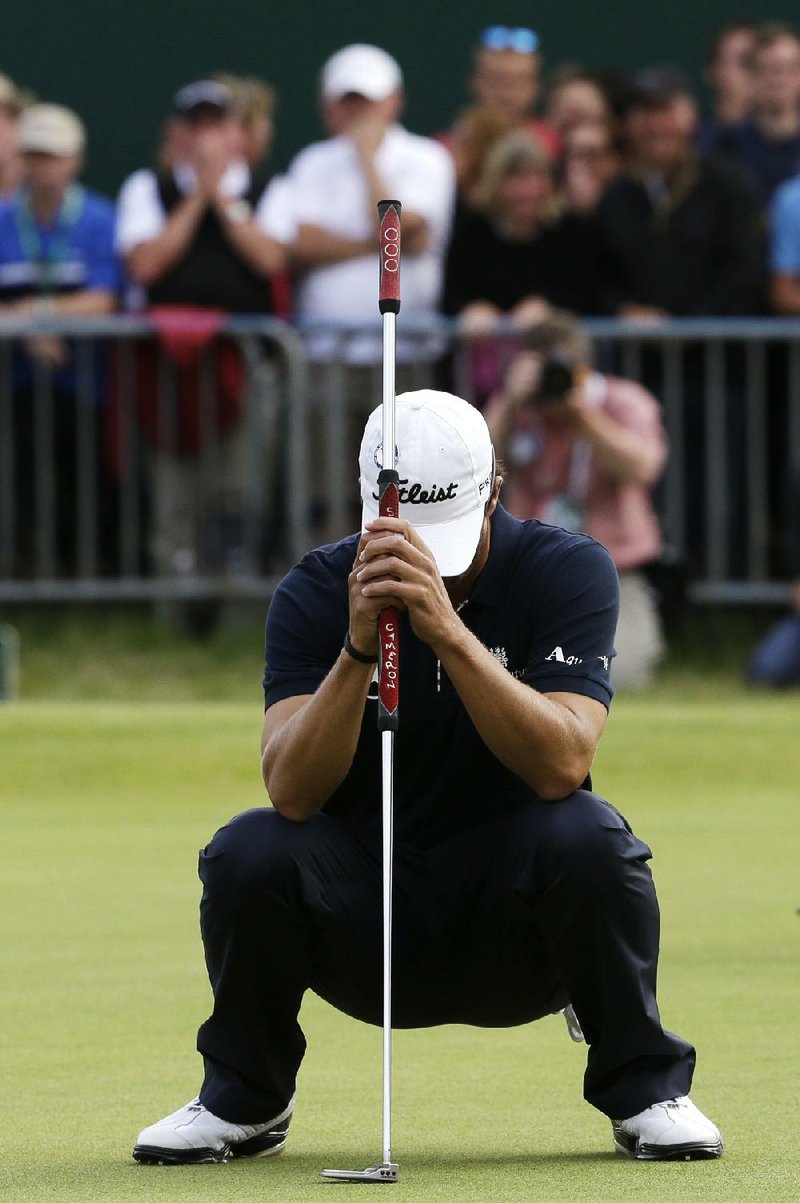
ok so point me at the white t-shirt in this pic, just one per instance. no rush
(141, 216)
(328, 189)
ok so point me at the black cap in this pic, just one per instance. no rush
(204, 93)
(655, 86)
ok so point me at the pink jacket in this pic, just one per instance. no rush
(546, 462)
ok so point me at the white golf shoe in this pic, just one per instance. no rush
(670, 1131)
(195, 1136)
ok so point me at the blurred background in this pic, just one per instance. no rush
(114, 64)
(188, 322)
(602, 251)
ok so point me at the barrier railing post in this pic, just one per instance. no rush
(85, 462)
(9, 662)
(756, 451)
(296, 477)
(8, 549)
(737, 426)
(675, 475)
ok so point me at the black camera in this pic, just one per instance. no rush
(557, 379)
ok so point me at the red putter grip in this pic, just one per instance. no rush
(389, 621)
(389, 240)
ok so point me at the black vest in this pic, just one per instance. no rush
(211, 272)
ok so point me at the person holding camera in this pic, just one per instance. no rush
(582, 450)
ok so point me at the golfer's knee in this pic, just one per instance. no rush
(590, 840)
(254, 850)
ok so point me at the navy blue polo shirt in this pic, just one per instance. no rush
(545, 605)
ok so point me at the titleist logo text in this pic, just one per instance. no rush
(417, 495)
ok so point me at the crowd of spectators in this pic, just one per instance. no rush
(598, 192)
(587, 191)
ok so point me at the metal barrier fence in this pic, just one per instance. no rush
(152, 464)
(730, 393)
(203, 469)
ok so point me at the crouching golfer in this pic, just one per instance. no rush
(517, 889)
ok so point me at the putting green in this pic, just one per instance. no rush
(103, 981)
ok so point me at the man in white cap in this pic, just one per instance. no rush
(517, 890)
(56, 261)
(335, 186)
(56, 237)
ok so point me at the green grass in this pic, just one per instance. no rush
(96, 653)
(116, 653)
(103, 985)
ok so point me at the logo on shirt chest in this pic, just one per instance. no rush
(501, 656)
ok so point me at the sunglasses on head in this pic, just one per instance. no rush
(502, 37)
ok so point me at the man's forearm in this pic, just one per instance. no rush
(785, 294)
(318, 247)
(88, 302)
(263, 254)
(622, 453)
(539, 739)
(309, 756)
(415, 227)
(149, 260)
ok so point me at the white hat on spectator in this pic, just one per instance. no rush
(51, 129)
(363, 69)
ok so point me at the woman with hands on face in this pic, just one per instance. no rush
(502, 260)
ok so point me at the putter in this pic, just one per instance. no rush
(389, 672)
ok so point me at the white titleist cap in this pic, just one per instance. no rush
(51, 129)
(366, 70)
(446, 467)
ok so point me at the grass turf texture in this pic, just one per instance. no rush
(114, 653)
(103, 983)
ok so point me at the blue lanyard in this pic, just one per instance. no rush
(30, 237)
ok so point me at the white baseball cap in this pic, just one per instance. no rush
(361, 68)
(51, 129)
(446, 465)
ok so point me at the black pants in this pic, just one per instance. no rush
(499, 926)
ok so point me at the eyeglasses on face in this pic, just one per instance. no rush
(502, 37)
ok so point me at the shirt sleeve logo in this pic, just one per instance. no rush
(558, 654)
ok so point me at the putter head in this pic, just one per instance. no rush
(387, 1171)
